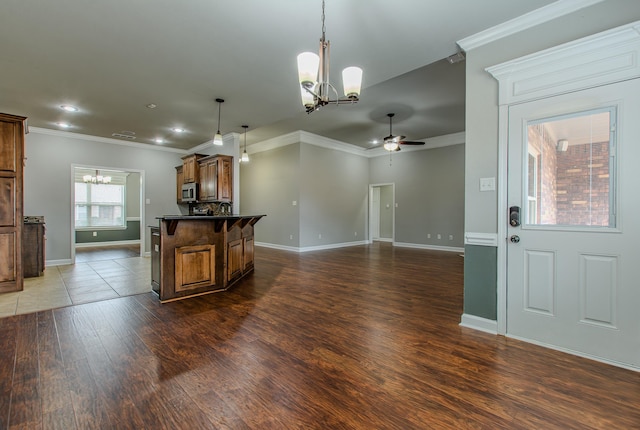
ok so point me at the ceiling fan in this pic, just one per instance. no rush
(391, 142)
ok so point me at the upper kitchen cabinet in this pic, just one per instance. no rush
(179, 182)
(216, 178)
(191, 168)
(12, 129)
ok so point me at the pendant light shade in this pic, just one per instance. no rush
(245, 156)
(217, 139)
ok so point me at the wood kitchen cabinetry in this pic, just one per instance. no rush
(12, 129)
(216, 178)
(179, 182)
(33, 245)
(195, 255)
(191, 168)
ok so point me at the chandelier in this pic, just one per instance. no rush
(97, 179)
(313, 73)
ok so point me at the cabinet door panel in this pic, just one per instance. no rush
(7, 202)
(234, 259)
(248, 253)
(225, 180)
(8, 257)
(7, 147)
(195, 267)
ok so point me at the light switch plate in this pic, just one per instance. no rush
(487, 184)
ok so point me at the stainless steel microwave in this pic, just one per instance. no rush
(190, 192)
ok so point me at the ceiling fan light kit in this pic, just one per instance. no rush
(313, 74)
(391, 142)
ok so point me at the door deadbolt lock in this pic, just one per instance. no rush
(515, 238)
(514, 216)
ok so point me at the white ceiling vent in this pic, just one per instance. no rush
(123, 136)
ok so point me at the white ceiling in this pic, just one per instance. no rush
(112, 58)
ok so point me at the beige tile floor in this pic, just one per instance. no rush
(83, 282)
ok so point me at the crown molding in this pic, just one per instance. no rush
(528, 20)
(600, 59)
(78, 136)
(301, 136)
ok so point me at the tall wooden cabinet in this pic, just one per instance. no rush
(216, 178)
(12, 129)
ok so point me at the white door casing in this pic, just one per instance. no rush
(572, 69)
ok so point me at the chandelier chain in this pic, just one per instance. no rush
(323, 26)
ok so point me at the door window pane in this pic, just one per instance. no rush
(570, 170)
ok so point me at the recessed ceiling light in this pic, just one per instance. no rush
(158, 140)
(178, 129)
(63, 124)
(152, 105)
(69, 108)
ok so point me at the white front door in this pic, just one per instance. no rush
(573, 263)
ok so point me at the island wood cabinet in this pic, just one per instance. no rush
(216, 178)
(12, 129)
(195, 255)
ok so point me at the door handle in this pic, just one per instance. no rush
(515, 238)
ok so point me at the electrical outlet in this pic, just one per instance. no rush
(428, 235)
(319, 236)
(450, 237)
(294, 203)
(355, 233)
(439, 236)
(95, 233)
(290, 237)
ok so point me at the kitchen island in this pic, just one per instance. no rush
(193, 255)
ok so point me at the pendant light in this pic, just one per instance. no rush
(245, 156)
(217, 139)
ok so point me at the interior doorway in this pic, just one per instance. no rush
(106, 195)
(382, 212)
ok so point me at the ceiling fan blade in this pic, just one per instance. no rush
(409, 142)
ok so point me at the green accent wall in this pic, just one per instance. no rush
(132, 232)
(480, 280)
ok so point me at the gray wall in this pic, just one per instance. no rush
(269, 185)
(131, 233)
(47, 181)
(333, 196)
(329, 188)
(331, 191)
(429, 188)
(481, 151)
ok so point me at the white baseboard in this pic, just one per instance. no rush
(310, 248)
(479, 323)
(110, 243)
(430, 247)
(49, 263)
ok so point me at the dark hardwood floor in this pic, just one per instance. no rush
(365, 337)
